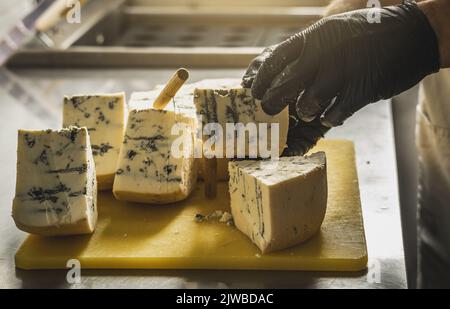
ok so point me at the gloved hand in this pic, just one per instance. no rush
(302, 136)
(340, 64)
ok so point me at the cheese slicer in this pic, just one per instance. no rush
(34, 25)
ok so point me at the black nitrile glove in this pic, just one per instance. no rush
(340, 64)
(302, 136)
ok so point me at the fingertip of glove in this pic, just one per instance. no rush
(288, 152)
(257, 93)
(326, 123)
(330, 122)
(269, 108)
(307, 118)
(247, 82)
(303, 114)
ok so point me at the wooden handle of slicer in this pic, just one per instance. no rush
(171, 88)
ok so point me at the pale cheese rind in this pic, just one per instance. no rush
(56, 187)
(104, 116)
(148, 171)
(279, 205)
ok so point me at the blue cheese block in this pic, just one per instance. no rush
(56, 187)
(104, 116)
(279, 204)
(148, 171)
(237, 106)
(183, 103)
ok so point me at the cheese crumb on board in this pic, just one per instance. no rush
(56, 187)
(282, 205)
(147, 170)
(220, 216)
(104, 116)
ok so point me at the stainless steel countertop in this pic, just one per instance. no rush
(370, 129)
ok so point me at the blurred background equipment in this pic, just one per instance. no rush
(196, 33)
(46, 13)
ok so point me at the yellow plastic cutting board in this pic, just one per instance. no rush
(166, 237)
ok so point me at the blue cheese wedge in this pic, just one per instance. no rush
(148, 171)
(279, 204)
(237, 106)
(56, 187)
(104, 116)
